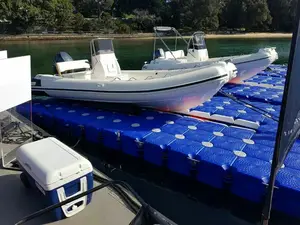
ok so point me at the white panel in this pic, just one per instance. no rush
(3, 54)
(15, 82)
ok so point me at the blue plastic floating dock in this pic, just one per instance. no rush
(272, 80)
(276, 70)
(223, 109)
(254, 93)
(273, 77)
(219, 153)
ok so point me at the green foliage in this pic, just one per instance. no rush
(250, 14)
(126, 16)
(143, 20)
(62, 13)
(122, 28)
(23, 16)
(258, 15)
(283, 13)
(5, 9)
(78, 22)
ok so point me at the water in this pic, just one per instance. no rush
(133, 53)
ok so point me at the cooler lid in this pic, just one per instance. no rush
(50, 161)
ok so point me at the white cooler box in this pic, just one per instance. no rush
(58, 172)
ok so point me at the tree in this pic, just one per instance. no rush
(199, 14)
(141, 20)
(78, 22)
(5, 9)
(90, 8)
(58, 14)
(258, 15)
(283, 13)
(255, 15)
(208, 11)
(104, 6)
(23, 16)
(249, 14)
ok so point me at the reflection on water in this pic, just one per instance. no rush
(133, 53)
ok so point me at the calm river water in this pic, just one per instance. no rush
(133, 53)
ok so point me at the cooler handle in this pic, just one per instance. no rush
(62, 197)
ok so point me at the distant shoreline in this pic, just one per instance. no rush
(52, 37)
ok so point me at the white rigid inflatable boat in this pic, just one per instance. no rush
(174, 90)
(197, 56)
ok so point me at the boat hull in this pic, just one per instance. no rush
(247, 65)
(180, 99)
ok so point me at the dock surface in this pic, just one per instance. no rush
(228, 146)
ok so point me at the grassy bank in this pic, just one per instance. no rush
(36, 37)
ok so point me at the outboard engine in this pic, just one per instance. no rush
(197, 50)
(61, 57)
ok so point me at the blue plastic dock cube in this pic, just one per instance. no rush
(293, 161)
(251, 115)
(94, 131)
(258, 151)
(58, 172)
(112, 135)
(287, 193)
(296, 147)
(213, 127)
(180, 153)
(63, 117)
(207, 109)
(199, 135)
(174, 129)
(42, 116)
(249, 178)
(237, 132)
(265, 139)
(228, 143)
(214, 165)
(156, 146)
(133, 141)
(186, 121)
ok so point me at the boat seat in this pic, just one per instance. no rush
(159, 53)
(72, 67)
(177, 54)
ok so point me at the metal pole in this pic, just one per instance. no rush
(166, 46)
(154, 45)
(176, 32)
(269, 198)
(282, 146)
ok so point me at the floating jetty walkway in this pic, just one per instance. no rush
(230, 147)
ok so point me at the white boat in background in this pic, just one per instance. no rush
(171, 90)
(197, 56)
(3, 54)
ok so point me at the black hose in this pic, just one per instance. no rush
(129, 202)
(150, 211)
(132, 205)
(50, 208)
